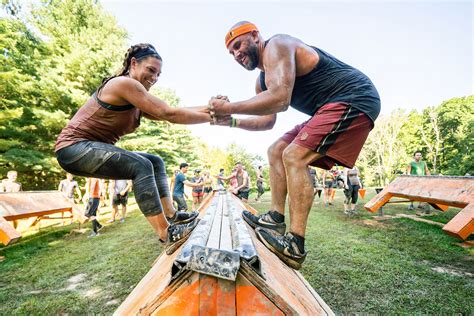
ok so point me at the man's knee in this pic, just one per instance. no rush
(292, 157)
(275, 150)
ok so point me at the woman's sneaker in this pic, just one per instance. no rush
(284, 246)
(181, 217)
(264, 220)
(178, 234)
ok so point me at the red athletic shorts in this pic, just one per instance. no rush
(198, 194)
(337, 131)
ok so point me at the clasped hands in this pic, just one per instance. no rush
(216, 108)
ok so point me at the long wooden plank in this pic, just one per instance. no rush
(251, 301)
(182, 300)
(226, 296)
(150, 287)
(226, 237)
(215, 234)
(8, 234)
(281, 291)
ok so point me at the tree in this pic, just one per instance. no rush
(51, 61)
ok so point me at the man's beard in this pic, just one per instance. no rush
(252, 56)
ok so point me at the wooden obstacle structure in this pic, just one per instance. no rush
(222, 269)
(35, 205)
(440, 192)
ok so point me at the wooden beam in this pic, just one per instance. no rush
(462, 225)
(438, 191)
(8, 234)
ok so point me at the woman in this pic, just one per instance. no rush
(207, 183)
(86, 145)
(197, 191)
(351, 189)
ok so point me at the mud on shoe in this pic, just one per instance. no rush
(178, 234)
(181, 217)
(284, 246)
(265, 221)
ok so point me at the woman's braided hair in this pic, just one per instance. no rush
(133, 51)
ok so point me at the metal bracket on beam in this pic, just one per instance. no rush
(216, 262)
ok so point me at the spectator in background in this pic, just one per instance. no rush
(220, 183)
(198, 191)
(207, 180)
(418, 168)
(68, 186)
(93, 195)
(103, 192)
(178, 188)
(241, 185)
(329, 179)
(10, 184)
(119, 197)
(260, 189)
(352, 184)
(314, 179)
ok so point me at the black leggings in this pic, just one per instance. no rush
(351, 194)
(105, 161)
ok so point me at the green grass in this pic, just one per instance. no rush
(356, 265)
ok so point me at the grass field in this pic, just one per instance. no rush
(356, 264)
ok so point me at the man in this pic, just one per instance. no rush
(178, 189)
(260, 189)
(119, 191)
(418, 168)
(220, 183)
(242, 178)
(68, 186)
(10, 184)
(341, 101)
(93, 194)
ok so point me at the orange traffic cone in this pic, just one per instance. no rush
(362, 193)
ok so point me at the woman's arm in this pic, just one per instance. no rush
(133, 92)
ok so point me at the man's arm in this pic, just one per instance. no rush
(427, 172)
(226, 178)
(409, 169)
(191, 184)
(127, 188)
(255, 123)
(279, 62)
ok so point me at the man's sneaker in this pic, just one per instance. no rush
(178, 234)
(264, 220)
(181, 217)
(122, 220)
(284, 246)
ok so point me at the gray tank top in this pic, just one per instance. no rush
(330, 81)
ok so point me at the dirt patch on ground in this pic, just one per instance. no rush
(373, 223)
(75, 280)
(452, 271)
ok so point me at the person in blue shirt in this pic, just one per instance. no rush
(178, 189)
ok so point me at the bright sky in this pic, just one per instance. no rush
(417, 53)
